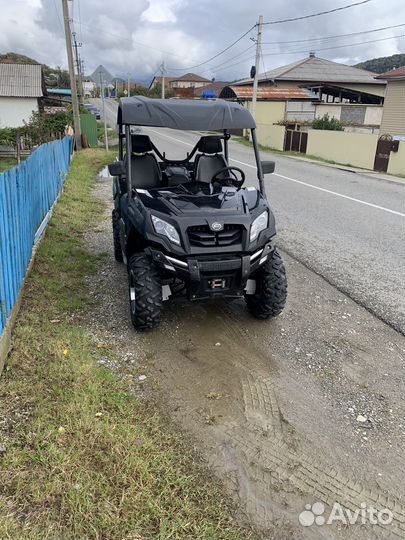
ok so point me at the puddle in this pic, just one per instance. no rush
(104, 173)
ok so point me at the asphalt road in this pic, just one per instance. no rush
(347, 227)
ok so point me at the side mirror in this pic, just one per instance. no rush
(268, 167)
(117, 168)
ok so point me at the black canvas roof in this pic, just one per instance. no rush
(184, 114)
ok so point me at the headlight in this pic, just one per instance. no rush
(165, 229)
(258, 225)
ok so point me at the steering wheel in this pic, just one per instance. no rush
(231, 179)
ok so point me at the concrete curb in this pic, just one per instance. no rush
(364, 172)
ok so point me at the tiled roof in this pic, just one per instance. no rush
(21, 80)
(393, 74)
(191, 77)
(317, 70)
(269, 93)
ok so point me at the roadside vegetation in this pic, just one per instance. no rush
(111, 133)
(7, 163)
(80, 455)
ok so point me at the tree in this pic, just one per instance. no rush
(331, 124)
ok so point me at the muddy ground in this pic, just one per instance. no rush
(306, 408)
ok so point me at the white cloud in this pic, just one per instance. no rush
(135, 36)
(162, 11)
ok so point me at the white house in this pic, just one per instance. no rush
(89, 88)
(21, 90)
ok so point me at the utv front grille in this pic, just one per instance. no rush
(203, 236)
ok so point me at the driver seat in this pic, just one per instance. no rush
(145, 170)
(210, 160)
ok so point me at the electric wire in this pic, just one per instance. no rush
(216, 55)
(57, 14)
(335, 46)
(327, 38)
(229, 60)
(318, 14)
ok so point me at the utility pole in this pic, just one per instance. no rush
(257, 65)
(79, 69)
(75, 104)
(104, 118)
(129, 87)
(162, 71)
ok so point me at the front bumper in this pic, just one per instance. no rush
(212, 276)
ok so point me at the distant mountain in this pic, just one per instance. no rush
(383, 64)
(15, 58)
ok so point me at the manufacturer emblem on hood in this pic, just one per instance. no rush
(216, 226)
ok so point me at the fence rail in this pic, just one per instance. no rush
(27, 194)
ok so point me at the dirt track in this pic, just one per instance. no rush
(273, 406)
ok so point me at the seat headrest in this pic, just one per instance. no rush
(141, 144)
(210, 145)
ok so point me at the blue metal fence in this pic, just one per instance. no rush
(27, 194)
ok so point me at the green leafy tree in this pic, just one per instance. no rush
(331, 124)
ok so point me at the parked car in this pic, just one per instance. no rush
(188, 226)
(93, 110)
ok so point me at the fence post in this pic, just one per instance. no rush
(18, 147)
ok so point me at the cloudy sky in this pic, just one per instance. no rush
(136, 35)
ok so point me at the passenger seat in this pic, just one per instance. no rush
(211, 159)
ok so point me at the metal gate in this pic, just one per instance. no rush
(296, 141)
(382, 155)
(88, 126)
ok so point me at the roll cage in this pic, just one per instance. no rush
(218, 115)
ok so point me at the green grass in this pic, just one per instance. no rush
(111, 133)
(85, 458)
(7, 163)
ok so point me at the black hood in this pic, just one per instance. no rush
(180, 203)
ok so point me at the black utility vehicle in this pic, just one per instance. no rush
(189, 226)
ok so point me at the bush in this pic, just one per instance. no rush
(8, 136)
(332, 124)
(40, 129)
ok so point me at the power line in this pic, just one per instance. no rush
(336, 46)
(240, 62)
(134, 42)
(57, 14)
(80, 21)
(270, 22)
(325, 38)
(173, 54)
(318, 14)
(216, 55)
(229, 59)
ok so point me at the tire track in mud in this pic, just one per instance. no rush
(271, 470)
(225, 395)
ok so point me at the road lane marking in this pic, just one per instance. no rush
(395, 212)
(341, 195)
